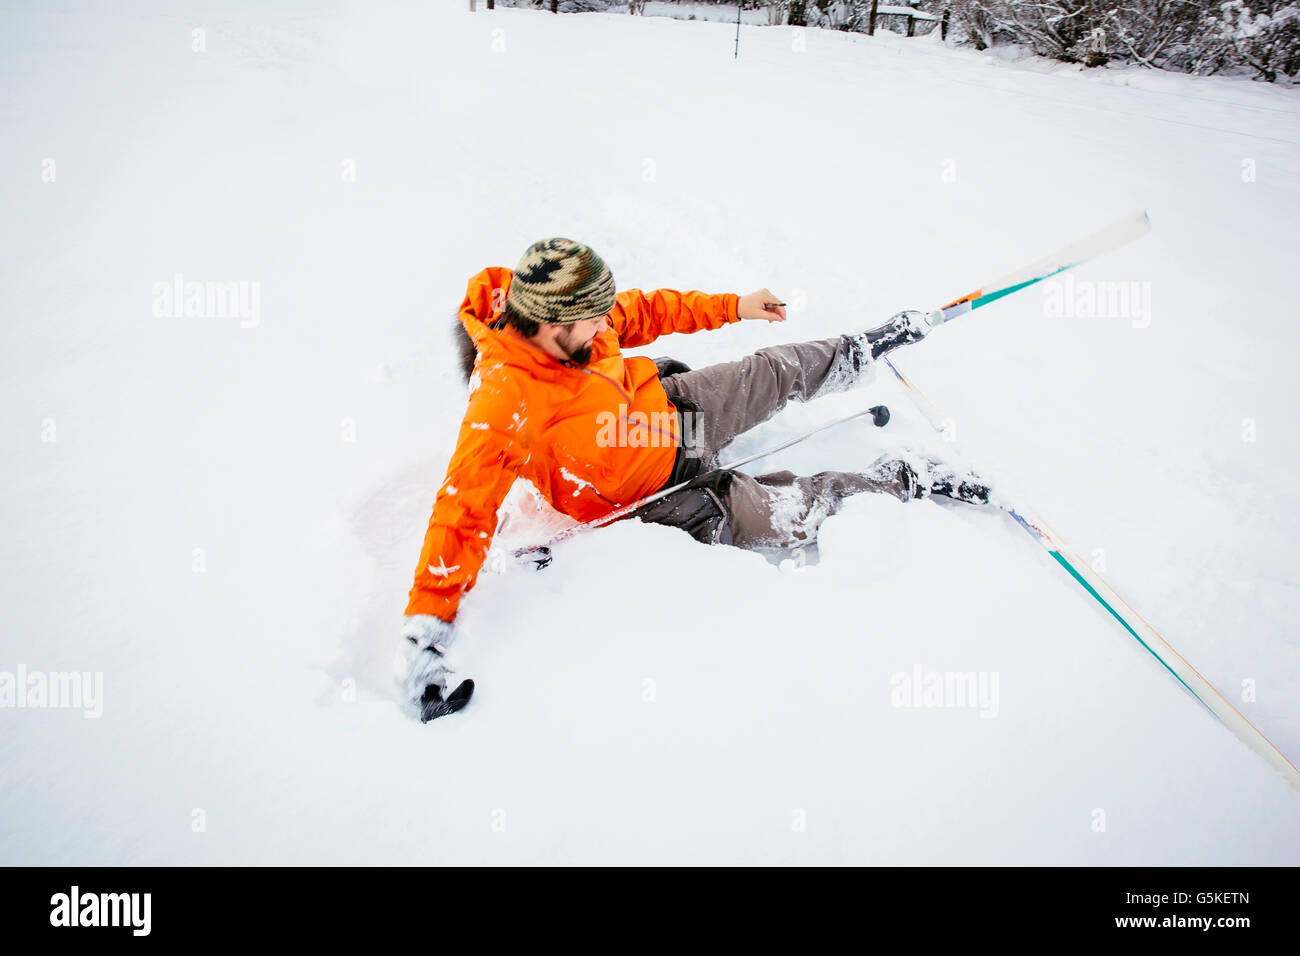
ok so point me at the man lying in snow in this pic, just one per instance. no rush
(554, 400)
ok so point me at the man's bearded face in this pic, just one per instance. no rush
(578, 339)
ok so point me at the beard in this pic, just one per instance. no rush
(580, 355)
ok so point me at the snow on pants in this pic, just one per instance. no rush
(779, 509)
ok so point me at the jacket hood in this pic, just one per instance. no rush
(485, 298)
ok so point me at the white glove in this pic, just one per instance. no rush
(421, 671)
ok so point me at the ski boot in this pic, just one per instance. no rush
(903, 328)
(909, 477)
(960, 485)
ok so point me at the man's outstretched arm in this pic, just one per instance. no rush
(638, 318)
(486, 461)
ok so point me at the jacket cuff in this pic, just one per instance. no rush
(424, 602)
(732, 306)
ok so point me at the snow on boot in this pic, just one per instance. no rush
(855, 364)
(903, 328)
(897, 476)
(957, 484)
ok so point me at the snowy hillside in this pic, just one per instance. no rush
(221, 514)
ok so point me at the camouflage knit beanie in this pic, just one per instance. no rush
(561, 281)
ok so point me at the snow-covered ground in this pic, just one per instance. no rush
(221, 515)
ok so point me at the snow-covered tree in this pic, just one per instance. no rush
(975, 23)
(1198, 36)
(1262, 34)
(777, 11)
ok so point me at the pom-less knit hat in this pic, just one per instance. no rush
(561, 281)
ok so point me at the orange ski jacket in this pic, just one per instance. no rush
(590, 438)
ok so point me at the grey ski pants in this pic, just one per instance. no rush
(779, 509)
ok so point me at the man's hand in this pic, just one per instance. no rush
(421, 672)
(761, 305)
